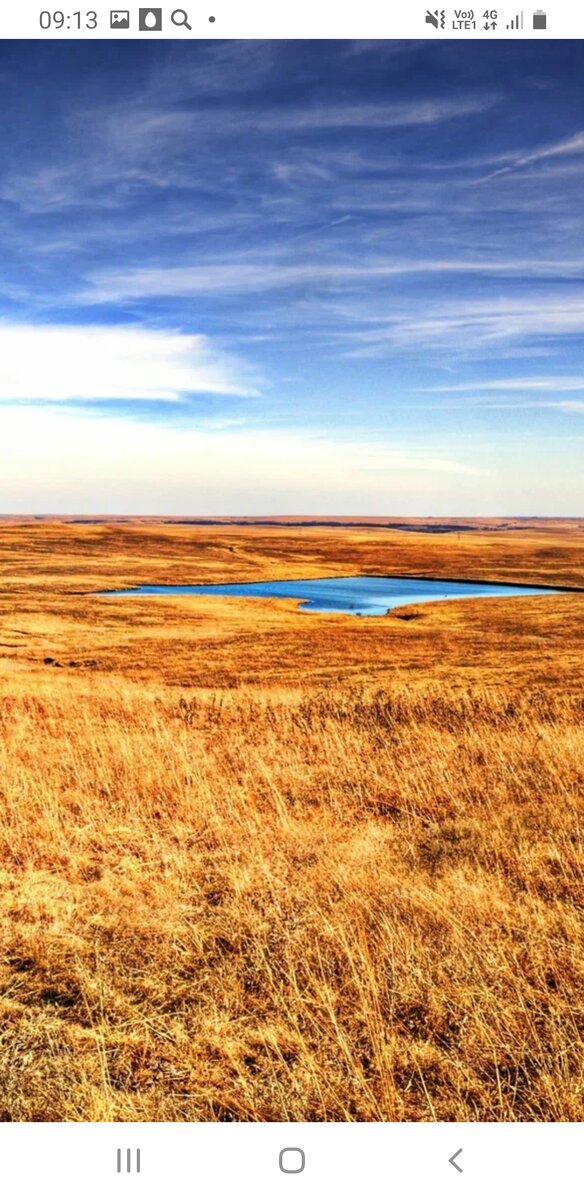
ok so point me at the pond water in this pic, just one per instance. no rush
(360, 595)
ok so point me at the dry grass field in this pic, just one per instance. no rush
(264, 865)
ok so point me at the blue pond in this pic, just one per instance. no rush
(360, 595)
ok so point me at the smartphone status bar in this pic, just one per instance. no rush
(303, 19)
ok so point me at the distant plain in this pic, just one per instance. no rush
(260, 864)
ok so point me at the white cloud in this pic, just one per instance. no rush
(56, 458)
(59, 459)
(123, 362)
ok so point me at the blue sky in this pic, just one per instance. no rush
(261, 277)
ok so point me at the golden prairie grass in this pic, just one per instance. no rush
(317, 906)
(256, 865)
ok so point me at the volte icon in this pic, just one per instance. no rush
(124, 1161)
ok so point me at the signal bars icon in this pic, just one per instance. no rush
(128, 1161)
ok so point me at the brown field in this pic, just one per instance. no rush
(265, 865)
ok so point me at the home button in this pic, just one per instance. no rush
(292, 1160)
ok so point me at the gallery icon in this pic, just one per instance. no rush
(150, 20)
(119, 19)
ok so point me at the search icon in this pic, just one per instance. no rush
(180, 17)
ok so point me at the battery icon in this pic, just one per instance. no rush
(539, 19)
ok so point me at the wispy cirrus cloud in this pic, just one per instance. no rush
(370, 116)
(240, 277)
(560, 149)
(464, 327)
(141, 125)
(550, 383)
(568, 406)
(142, 142)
